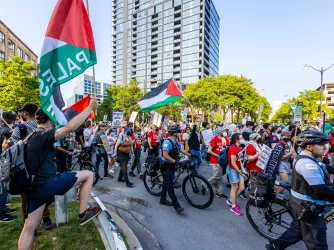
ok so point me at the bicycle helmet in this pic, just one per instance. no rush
(309, 137)
(173, 129)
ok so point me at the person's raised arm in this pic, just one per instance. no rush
(76, 121)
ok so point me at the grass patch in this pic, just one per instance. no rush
(69, 236)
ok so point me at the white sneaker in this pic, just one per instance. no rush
(111, 171)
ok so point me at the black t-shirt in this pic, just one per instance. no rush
(78, 133)
(41, 155)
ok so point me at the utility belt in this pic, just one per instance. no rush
(164, 165)
(308, 209)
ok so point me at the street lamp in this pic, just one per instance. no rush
(322, 70)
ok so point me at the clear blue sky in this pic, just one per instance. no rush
(266, 41)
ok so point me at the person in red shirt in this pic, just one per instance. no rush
(253, 152)
(138, 141)
(152, 141)
(217, 144)
(234, 173)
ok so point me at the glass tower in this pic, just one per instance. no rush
(154, 40)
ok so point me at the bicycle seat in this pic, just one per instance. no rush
(285, 184)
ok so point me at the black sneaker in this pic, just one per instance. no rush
(6, 218)
(165, 203)
(179, 209)
(270, 247)
(221, 196)
(108, 175)
(129, 184)
(46, 225)
(132, 174)
(120, 180)
(10, 211)
(176, 184)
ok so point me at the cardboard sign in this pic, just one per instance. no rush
(264, 157)
(105, 143)
(157, 120)
(207, 136)
(133, 116)
(117, 118)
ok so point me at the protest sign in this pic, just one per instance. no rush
(133, 116)
(117, 118)
(264, 157)
(207, 136)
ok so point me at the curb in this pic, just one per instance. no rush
(110, 225)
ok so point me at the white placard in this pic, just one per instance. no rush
(185, 114)
(133, 116)
(105, 117)
(264, 157)
(157, 118)
(117, 118)
(207, 136)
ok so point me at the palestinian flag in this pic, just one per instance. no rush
(68, 50)
(164, 94)
(77, 108)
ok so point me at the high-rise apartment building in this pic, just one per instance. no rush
(85, 86)
(154, 40)
(11, 45)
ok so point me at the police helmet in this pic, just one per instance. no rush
(309, 137)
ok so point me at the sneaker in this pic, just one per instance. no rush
(230, 203)
(141, 176)
(236, 210)
(6, 218)
(111, 171)
(221, 196)
(165, 202)
(176, 184)
(90, 214)
(179, 210)
(132, 174)
(270, 247)
(10, 211)
(46, 224)
(129, 184)
(120, 180)
(107, 175)
(243, 196)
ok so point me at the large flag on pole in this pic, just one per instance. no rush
(68, 50)
(164, 94)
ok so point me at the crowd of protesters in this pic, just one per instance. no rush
(49, 154)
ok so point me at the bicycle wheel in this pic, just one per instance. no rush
(153, 184)
(87, 165)
(197, 191)
(270, 222)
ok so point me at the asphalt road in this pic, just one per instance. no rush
(160, 227)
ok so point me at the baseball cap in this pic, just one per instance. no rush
(29, 107)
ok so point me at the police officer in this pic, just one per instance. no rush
(311, 189)
(170, 152)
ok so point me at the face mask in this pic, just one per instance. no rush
(279, 132)
(224, 134)
(286, 140)
(259, 141)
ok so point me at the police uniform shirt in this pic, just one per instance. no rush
(312, 174)
(167, 146)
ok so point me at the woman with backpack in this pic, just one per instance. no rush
(234, 173)
(123, 152)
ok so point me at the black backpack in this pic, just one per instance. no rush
(261, 188)
(4, 133)
(14, 174)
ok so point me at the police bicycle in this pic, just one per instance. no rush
(83, 159)
(195, 188)
(275, 218)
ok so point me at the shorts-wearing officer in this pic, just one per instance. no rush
(311, 189)
(171, 154)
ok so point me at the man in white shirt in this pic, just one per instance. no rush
(88, 134)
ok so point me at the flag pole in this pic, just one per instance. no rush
(87, 5)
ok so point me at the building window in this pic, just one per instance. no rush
(2, 55)
(27, 58)
(19, 52)
(11, 45)
(2, 38)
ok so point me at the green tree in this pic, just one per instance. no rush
(171, 110)
(17, 84)
(122, 98)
